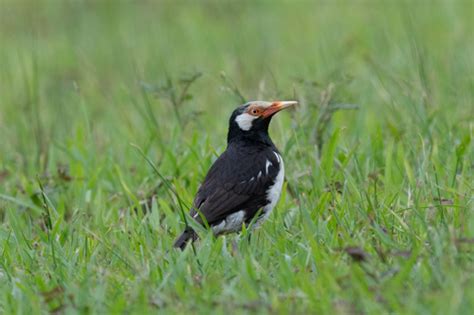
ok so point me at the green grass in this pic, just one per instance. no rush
(377, 211)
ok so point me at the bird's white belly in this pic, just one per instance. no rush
(232, 223)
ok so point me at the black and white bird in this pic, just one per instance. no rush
(244, 183)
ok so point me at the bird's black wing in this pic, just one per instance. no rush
(238, 180)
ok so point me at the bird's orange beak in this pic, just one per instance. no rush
(276, 107)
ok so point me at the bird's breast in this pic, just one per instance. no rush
(274, 191)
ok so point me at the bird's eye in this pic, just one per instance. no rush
(254, 111)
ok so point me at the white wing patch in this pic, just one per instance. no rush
(267, 165)
(248, 181)
(245, 121)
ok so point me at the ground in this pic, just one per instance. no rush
(111, 113)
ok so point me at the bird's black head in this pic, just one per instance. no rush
(251, 120)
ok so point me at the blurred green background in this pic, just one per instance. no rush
(62, 61)
(82, 80)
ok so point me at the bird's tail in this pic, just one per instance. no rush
(184, 238)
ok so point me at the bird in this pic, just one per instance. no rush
(244, 184)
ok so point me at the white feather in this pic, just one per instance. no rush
(232, 223)
(245, 121)
(267, 165)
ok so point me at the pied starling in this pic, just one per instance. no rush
(246, 180)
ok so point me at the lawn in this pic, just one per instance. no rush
(111, 114)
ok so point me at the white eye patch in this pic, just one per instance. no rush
(245, 121)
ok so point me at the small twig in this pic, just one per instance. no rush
(233, 87)
(187, 84)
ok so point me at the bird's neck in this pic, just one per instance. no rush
(250, 138)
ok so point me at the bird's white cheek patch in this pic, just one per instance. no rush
(245, 121)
